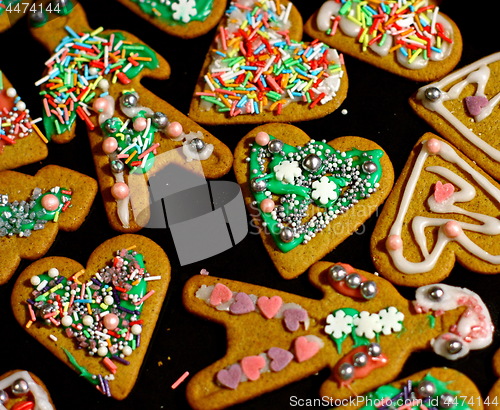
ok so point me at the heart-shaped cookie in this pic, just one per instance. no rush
(269, 307)
(22, 390)
(32, 214)
(415, 41)
(420, 233)
(185, 18)
(20, 140)
(258, 69)
(133, 133)
(104, 324)
(463, 108)
(280, 358)
(298, 190)
(251, 366)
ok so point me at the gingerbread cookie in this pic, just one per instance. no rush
(439, 388)
(492, 401)
(303, 194)
(133, 140)
(11, 11)
(20, 390)
(462, 108)
(34, 208)
(98, 320)
(182, 18)
(258, 69)
(443, 207)
(362, 329)
(412, 39)
(21, 141)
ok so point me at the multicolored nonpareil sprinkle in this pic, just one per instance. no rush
(22, 217)
(256, 66)
(82, 68)
(15, 119)
(287, 180)
(413, 28)
(102, 314)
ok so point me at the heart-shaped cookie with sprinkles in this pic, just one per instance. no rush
(258, 69)
(21, 141)
(307, 196)
(98, 320)
(34, 208)
(22, 390)
(132, 132)
(412, 38)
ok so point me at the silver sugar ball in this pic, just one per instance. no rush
(197, 144)
(60, 4)
(353, 280)
(360, 359)
(311, 163)
(337, 273)
(446, 401)
(129, 100)
(19, 387)
(453, 346)
(432, 94)
(117, 166)
(369, 167)
(368, 289)
(286, 234)
(425, 389)
(110, 127)
(275, 146)
(374, 350)
(4, 397)
(159, 119)
(37, 17)
(258, 185)
(435, 293)
(346, 371)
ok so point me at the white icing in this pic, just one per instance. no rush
(131, 112)
(474, 329)
(330, 9)
(190, 155)
(477, 73)
(109, 112)
(41, 397)
(489, 225)
(122, 204)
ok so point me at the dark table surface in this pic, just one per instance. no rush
(377, 109)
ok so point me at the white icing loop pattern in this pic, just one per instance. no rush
(477, 73)
(474, 329)
(449, 229)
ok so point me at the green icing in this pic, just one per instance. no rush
(344, 172)
(432, 321)
(176, 12)
(389, 391)
(82, 370)
(132, 141)
(22, 217)
(83, 86)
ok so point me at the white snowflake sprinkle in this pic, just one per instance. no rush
(287, 171)
(324, 190)
(184, 10)
(367, 324)
(339, 324)
(391, 320)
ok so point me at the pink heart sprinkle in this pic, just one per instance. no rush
(475, 104)
(304, 349)
(293, 318)
(269, 306)
(220, 294)
(251, 366)
(231, 377)
(242, 304)
(280, 358)
(443, 192)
